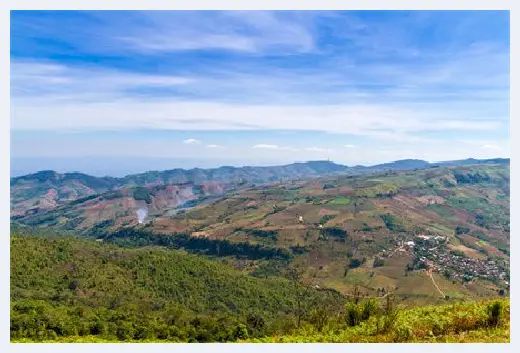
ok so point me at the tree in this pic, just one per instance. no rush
(354, 263)
(378, 262)
(301, 291)
(240, 332)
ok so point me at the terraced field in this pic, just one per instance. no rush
(335, 227)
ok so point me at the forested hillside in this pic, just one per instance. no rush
(63, 286)
(66, 289)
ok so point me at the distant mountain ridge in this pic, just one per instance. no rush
(180, 175)
(49, 189)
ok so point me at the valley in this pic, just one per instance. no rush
(377, 232)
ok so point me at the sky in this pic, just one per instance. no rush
(117, 92)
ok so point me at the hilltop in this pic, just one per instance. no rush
(48, 190)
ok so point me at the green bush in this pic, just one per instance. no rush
(495, 314)
(141, 193)
(378, 262)
(354, 263)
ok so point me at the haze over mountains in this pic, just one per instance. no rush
(253, 173)
(48, 189)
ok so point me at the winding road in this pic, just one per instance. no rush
(430, 274)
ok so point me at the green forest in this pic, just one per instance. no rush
(67, 289)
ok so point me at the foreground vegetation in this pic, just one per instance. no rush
(65, 289)
(463, 322)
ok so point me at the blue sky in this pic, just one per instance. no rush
(122, 90)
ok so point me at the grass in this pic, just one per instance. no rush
(440, 210)
(482, 243)
(340, 201)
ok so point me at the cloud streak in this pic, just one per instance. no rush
(266, 146)
(491, 147)
(241, 31)
(371, 77)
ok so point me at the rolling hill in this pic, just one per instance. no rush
(66, 289)
(46, 190)
(423, 234)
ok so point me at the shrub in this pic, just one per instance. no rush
(141, 193)
(369, 308)
(240, 332)
(319, 318)
(326, 218)
(495, 314)
(461, 230)
(403, 333)
(353, 314)
(379, 262)
(335, 232)
(354, 263)
(391, 223)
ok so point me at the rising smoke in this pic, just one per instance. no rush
(141, 214)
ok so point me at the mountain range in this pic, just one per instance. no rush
(378, 227)
(48, 189)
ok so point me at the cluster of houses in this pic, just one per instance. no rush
(432, 252)
(462, 268)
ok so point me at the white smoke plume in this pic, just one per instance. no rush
(141, 214)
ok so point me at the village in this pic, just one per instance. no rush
(432, 253)
(454, 265)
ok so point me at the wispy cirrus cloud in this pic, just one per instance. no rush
(242, 31)
(371, 76)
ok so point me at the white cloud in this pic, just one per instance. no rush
(56, 97)
(265, 146)
(275, 147)
(192, 142)
(412, 102)
(241, 31)
(215, 146)
(349, 146)
(383, 122)
(491, 147)
(318, 149)
(43, 79)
